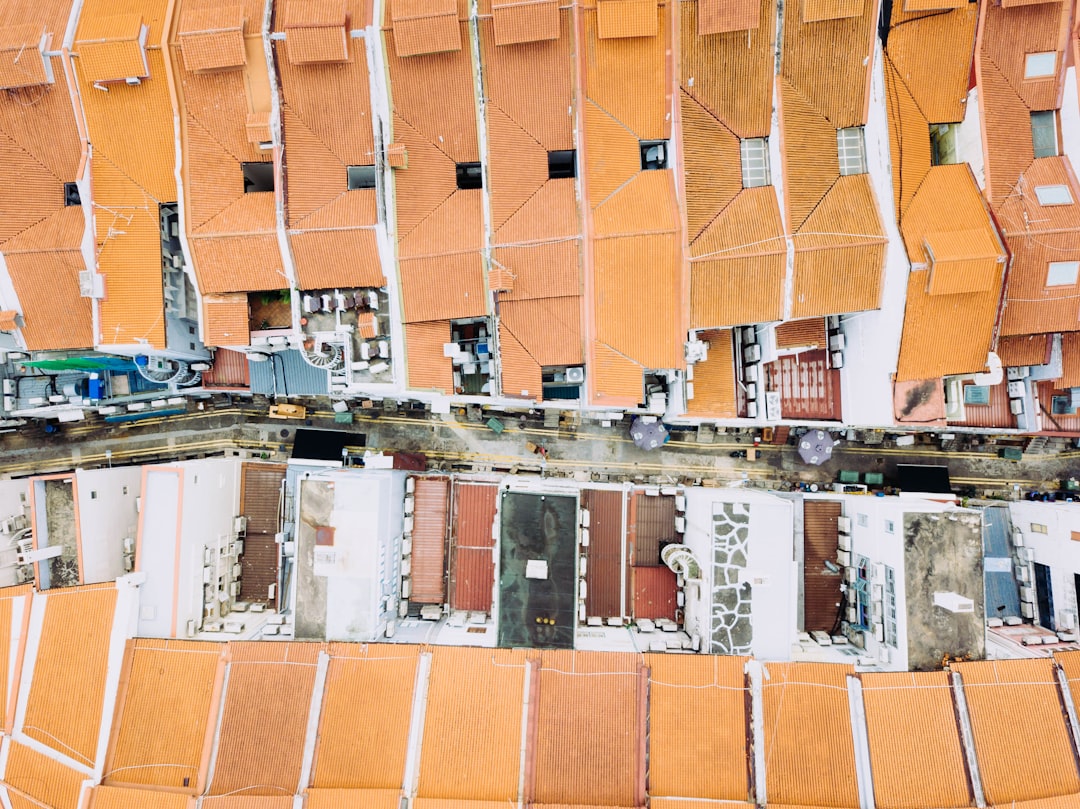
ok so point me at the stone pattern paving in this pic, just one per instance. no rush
(731, 629)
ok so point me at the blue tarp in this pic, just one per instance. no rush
(1002, 594)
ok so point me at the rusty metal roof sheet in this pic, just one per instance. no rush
(472, 575)
(604, 573)
(821, 588)
(430, 513)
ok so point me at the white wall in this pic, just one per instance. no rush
(14, 495)
(157, 551)
(107, 514)
(1056, 548)
(1070, 119)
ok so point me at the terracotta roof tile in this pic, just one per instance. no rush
(164, 713)
(551, 213)
(939, 84)
(22, 59)
(718, 17)
(337, 258)
(521, 21)
(714, 379)
(47, 282)
(259, 752)
(645, 204)
(809, 749)
(43, 780)
(612, 154)
(1008, 141)
(801, 333)
(67, 693)
(472, 728)
(429, 180)
(620, 19)
(1021, 741)
(738, 264)
(428, 367)
(1009, 34)
(112, 48)
(225, 320)
(811, 163)
(1070, 359)
(909, 141)
(1024, 350)
(315, 32)
(626, 77)
(548, 328)
(121, 798)
(248, 802)
(238, 263)
(517, 166)
(423, 27)
(542, 270)
(912, 729)
(362, 738)
(711, 156)
(829, 61)
(836, 273)
(349, 209)
(682, 689)
(617, 380)
(351, 798)
(521, 373)
(11, 612)
(212, 38)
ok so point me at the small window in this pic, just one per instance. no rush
(851, 149)
(942, 144)
(755, 162)
(190, 329)
(469, 175)
(1040, 65)
(93, 495)
(1053, 195)
(653, 154)
(361, 177)
(562, 164)
(1062, 273)
(890, 527)
(1044, 136)
(862, 520)
(1038, 528)
(71, 195)
(125, 489)
(258, 177)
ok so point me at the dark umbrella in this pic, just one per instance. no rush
(648, 436)
(816, 447)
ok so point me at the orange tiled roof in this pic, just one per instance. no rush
(428, 367)
(473, 716)
(165, 712)
(10, 638)
(350, 798)
(316, 32)
(1070, 361)
(423, 27)
(714, 379)
(819, 10)
(67, 694)
(801, 333)
(120, 798)
(912, 729)
(529, 21)
(548, 328)
(40, 779)
(213, 38)
(681, 691)
(259, 751)
(362, 738)
(112, 48)
(954, 289)
(1021, 741)
(22, 59)
(713, 176)
(225, 320)
(909, 140)
(718, 17)
(809, 749)
(521, 373)
(621, 19)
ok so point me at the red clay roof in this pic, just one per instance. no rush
(213, 38)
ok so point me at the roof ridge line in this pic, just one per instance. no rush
(314, 134)
(519, 208)
(708, 111)
(30, 154)
(427, 216)
(505, 325)
(312, 213)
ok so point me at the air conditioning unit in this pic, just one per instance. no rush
(583, 566)
(837, 359)
(832, 322)
(751, 391)
(843, 541)
(234, 589)
(748, 335)
(751, 410)
(583, 590)
(680, 525)
(1016, 407)
(837, 342)
(575, 375)
(843, 557)
(406, 566)
(410, 485)
(852, 614)
(843, 525)
(752, 353)
(1015, 374)
(129, 563)
(410, 504)
(406, 587)
(406, 547)
(1016, 390)
(192, 628)
(1022, 574)
(9, 386)
(584, 537)
(750, 373)
(1027, 593)
(851, 574)
(1026, 609)
(238, 548)
(879, 632)
(1018, 539)
(583, 518)
(240, 525)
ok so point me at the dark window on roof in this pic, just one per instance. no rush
(469, 175)
(1044, 134)
(258, 177)
(562, 164)
(361, 177)
(654, 154)
(71, 195)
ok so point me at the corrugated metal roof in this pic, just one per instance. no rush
(260, 748)
(1070, 361)
(808, 387)
(286, 374)
(808, 333)
(472, 726)
(809, 748)
(821, 589)
(230, 370)
(472, 576)
(164, 713)
(363, 733)
(655, 591)
(915, 747)
(1021, 740)
(589, 730)
(260, 492)
(67, 694)
(605, 562)
(994, 414)
(652, 521)
(430, 511)
(682, 690)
